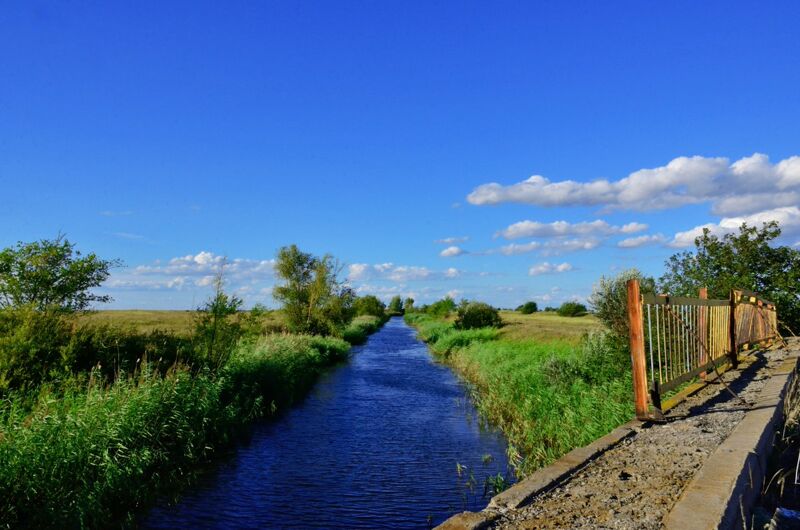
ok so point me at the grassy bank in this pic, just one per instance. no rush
(87, 454)
(549, 385)
(99, 431)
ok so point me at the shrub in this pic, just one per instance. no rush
(609, 300)
(527, 308)
(473, 315)
(572, 309)
(361, 327)
(31, 343)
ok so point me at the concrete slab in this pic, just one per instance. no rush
(723, 491)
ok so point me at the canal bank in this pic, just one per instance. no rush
(388, 440)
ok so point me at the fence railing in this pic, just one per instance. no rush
(675, 339)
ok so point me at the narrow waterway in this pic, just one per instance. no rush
(377, 444)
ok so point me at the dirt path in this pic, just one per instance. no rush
(634, 485)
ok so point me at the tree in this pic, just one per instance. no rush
(747, 260)
(408, 305)
(369, 305)
(609, 299)
(527, 308)
(572, 309)
(314, 300)
(216, 333)
(442, 308)
(52, 274)
(395, 306)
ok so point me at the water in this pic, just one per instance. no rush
(375, 445)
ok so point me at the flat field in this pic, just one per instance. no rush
(180, 322)
(547, 326)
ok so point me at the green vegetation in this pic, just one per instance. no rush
(473, 315)
(103, 412)
(527, 308)
(551, 383)
(85, 454)
(746, 260)
(369, 305)
(395, 307)
(313, 297)
(49, 275)
(572, 309)
(609, 300)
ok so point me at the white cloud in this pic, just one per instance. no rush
(549, 268)
(359, 272)
(452, 240)
(549, 248)
(788, 218)
(684, 180)
(452, 251)
(565, 228)
(635, 242)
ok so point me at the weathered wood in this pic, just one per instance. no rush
(661, 299)
(733, 352)
(637, 349)
(702, 332)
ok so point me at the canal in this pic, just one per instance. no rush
(387, 440)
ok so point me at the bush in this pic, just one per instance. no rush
(527, 308)
(441, 308)
(609, 300)
(472, 315)
(572, 309)
(31, 344)
(361, 327)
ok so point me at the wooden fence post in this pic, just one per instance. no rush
(703, 329)
(637, 350)
(733, 352)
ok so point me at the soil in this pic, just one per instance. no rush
(634, 484)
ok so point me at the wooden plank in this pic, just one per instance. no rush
(702, 332)
(635, 319)
(653, 299)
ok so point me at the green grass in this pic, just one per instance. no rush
(361, 327)
(548, 390)
(87, 454)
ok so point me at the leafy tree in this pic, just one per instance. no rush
(473, 315)
(216, 329)
(442, 308)
(572, 309)
(609, 299)
(396, 306)
(527, 308)
(369, 305)
(51, 273)
(408, 305)
(314, 300)
(746, 260)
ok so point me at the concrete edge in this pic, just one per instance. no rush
(539, 481)
(722, 493)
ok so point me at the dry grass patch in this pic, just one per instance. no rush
(547, 326)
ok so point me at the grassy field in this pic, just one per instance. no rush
(180, 322)
(547, 326)
(550, 383)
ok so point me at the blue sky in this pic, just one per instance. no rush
(170, 134)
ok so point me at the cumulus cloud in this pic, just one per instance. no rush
(640, 241)
(684, 180)
(452, 240)
(549, 248)
(397, 273)
(565, 228)
(788, 218)
(451, 252)
(206, 263)
(549, 268)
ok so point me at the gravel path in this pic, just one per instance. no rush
(634, 485)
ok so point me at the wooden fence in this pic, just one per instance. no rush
(675, 339)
